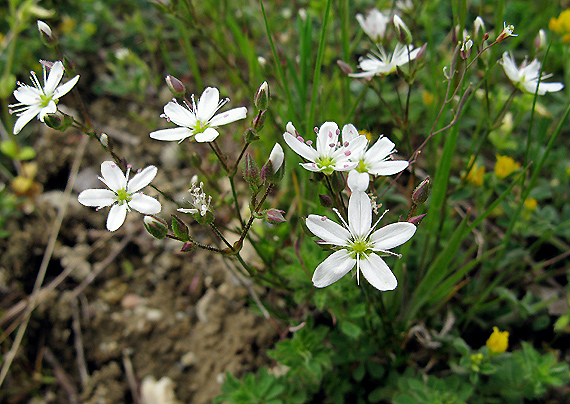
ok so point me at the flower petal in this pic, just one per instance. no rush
(117, 215)
(388, 167)
(327, 230)
(299, 147)
(380, 150)
(50, 108)
(27, 95)
(54, 77)
(65, 88)
(333, 268)
(544, 88)
(392, 235)
(147, 205)
(209, 135)
(179, 115)
(141, 179)
(327, 139)
(311, 167)
(232, 115)
(208, 104)
(358, 182)
(25, 117)
(177, 134)
(377, 273)
(359, 214)
(349, 133)
(113, 176)
(96, 197)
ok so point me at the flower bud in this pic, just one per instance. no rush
(104, 139)
(53, 121)
(274, 216)
(250, 135)
(466, 46)
(422, 52)
(326, 201)
(506, 32)
(421, 193)
(344, 67)
(540, 40)
(478, 25)
(189, 246)
(45, 33)
(404, 33)
(180, 229)
(251, 172)
(291, 129)
(261, 98)
(155, 226)
(276, 157)
(416, 220)
(175, 86)
(259, 120)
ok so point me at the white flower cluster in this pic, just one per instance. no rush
(199, 199)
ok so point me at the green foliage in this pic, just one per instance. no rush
(263, 388)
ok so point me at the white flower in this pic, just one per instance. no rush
(122, 194)
(276, 157)
(377, 159)
(198, 120)
(383, 63)
(44, 29)
(526, 77)
(199, 199)
(38, 100)
(374, 25)
(358, 245)
(330, 155)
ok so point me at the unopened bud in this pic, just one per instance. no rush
(540, 40)
(421, 193)
(250, 135)
(416, 220)
(180, 229)
(344, 67)
(326, 201)
(404, 33)
(274, 216)
(45, 33)
(478, 25)
(53, 121)
(276, 157)
(259, 120)
(104, 139)
(261, 98)
(189, 246)
(251, 172)
(485, 36)
(175, 86)
(422, 52)
(155, 226)
(466, 46)
(506, 32)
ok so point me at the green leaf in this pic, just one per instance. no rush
(350, 329)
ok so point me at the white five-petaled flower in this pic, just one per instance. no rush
(123, 194)
(330, 155)
(376, 160)
(383, 63)
(198, 120)
(38, 100)
(374, 25)
(359, 245)
(526, 77)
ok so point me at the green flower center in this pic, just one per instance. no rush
(200, 127)
(359, 248)
(122, 196)
(361, 167)
(45, 100)
(327, 163)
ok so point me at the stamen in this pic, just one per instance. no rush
(309, 142)
(342, 219)
(376, 224)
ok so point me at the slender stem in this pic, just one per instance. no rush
(216, 149)
(236, 203)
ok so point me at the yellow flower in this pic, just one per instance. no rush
(561, 25)
(505, 165)
(530, 204)
(365, 133)
(498, 342)
(476, 174)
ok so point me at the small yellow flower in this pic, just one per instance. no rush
(530, 204)
(561, 25)
(476, 174)
(498, 342)
(476, 360)
(427, 98)
(505, 165)
(365, 133)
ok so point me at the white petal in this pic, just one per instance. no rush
(392, 235)
(208, 104)
(358, 182)
(359, 214)
(54, 77)
(177, 134)
(65, 88)
(113, 176)
(50, 108)
(377, 273)
(144, 204)
(209, 135)
(549, 87)
(117, 215)
(327, 138)
(25, 117)
(276, 156)
(299, 147)
(333, 268)
(27, 95)
(349, 133)
(380, 150)
(327, 230)
(141, 179)
(510, 68)
(232, 115)
(311, 167)
(96, 197)
(179, 115)
(388, 167)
